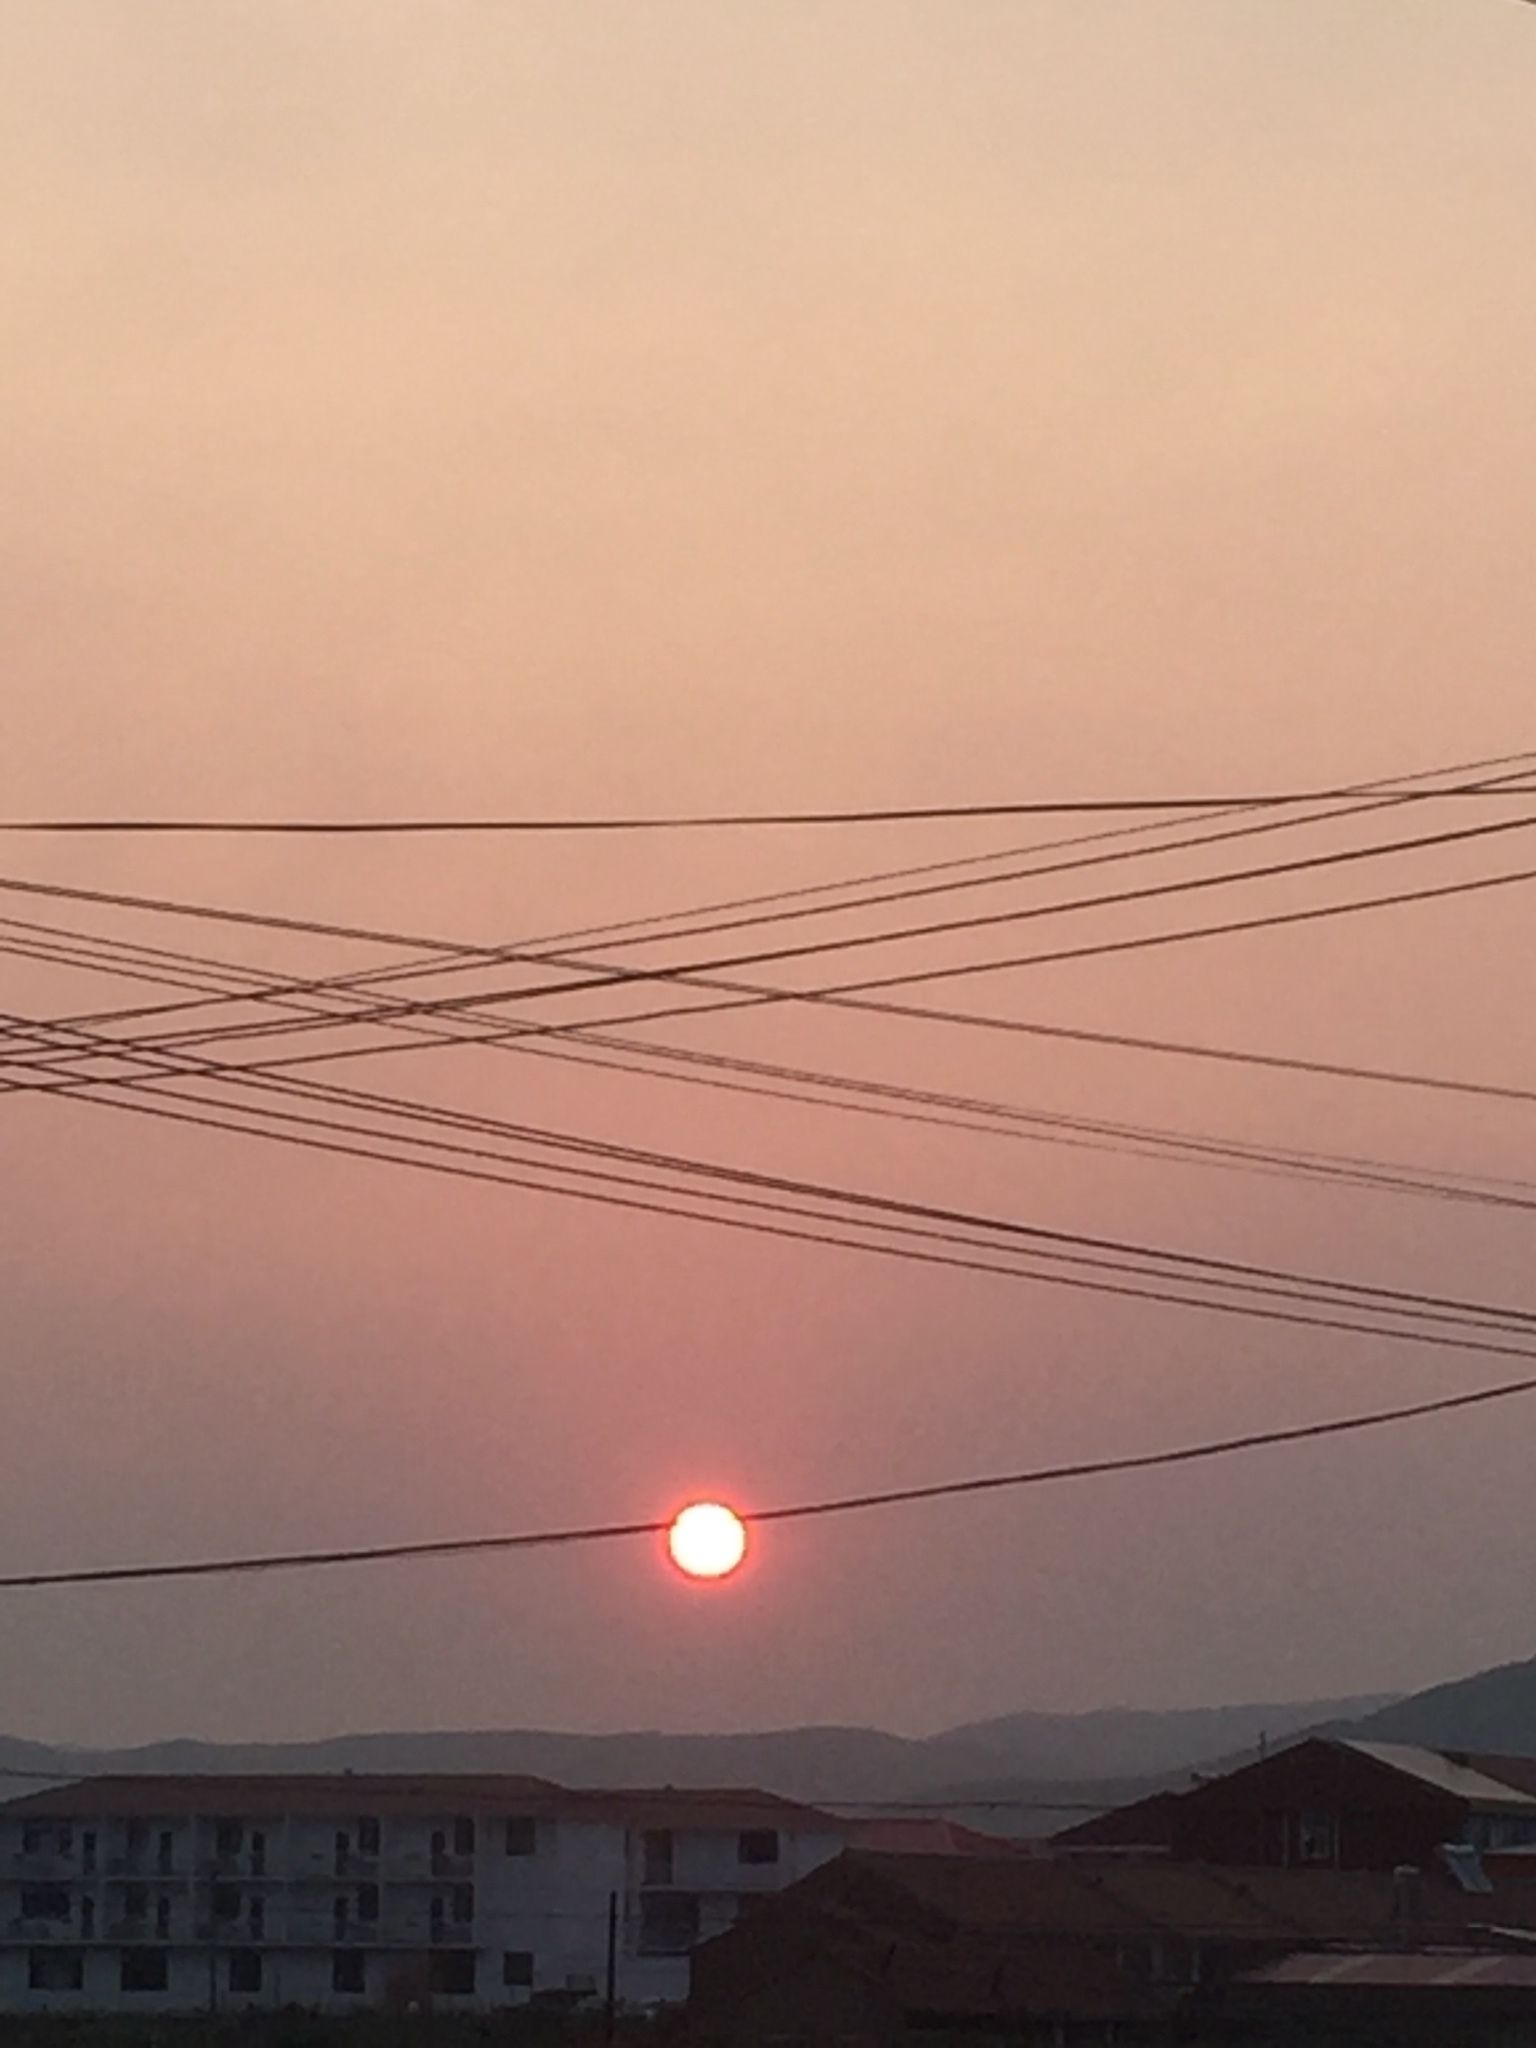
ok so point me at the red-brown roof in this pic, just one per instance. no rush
(924, 1835)
(1112, 1898)
(348, 1794)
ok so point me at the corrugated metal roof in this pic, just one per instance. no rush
(1424, 1968)
(1471, 1782)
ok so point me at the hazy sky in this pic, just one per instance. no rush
(498, 405)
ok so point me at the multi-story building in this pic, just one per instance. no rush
(173, 1893)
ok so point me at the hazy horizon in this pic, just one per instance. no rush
(416, 406)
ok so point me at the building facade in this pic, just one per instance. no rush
(223, 1893)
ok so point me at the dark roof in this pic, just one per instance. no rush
(1476, 1780)
(1114, 1898)
(349, 1794)
(1144, 1824)
(925, 1835)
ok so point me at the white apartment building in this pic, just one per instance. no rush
(141, 1894)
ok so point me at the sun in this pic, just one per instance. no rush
(707, 1540)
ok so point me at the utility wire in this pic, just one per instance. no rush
(894, 814)
(822, 1237)
(459, 959)
(902, 1496)
(1072, 1248)
(450, 957)
(756, 996)
(752, 996)
(811, 1088)
(606, 974)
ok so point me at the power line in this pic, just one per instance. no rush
(893, 814)
(451, 956)
(847, 1094)
(755, 996)
(1072, 1248)
(952, 1489)
(454, 958)
(606, 974)
(749, 996)
(646, 1203)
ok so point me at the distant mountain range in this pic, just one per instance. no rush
(1018, 1774)
(1002, 1770)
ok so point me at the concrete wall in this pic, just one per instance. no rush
(550, 1905)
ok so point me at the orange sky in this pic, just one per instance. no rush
(565, 407)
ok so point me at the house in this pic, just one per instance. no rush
(1331, 1803)
(871, 1948)
(169, 1893)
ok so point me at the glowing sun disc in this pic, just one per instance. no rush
(707, 1540)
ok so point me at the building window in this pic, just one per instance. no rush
(45, 1902)
(757, 1845)
(166, 1858)
(339, 1913)
(66, 1840)
(656, 1856)
(463, 1836)
(347, 1972)
(33, 1836)
(669, 1923)
(135, 1836)
(522, 1835)
(368, 1902)
(1317, 1838)
(226, 1902)
(367, 1838)
(135, 1902)
(56, 1969)
(144, 1969)
(453, 1973)
(162, 1919)
(228, 1839)
(88, 1918)
(258, 1853)
(245, 1971)
(258, 1919)
(88, 1853)
(343, 1848)
(517, 1969)
(463, 1904)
